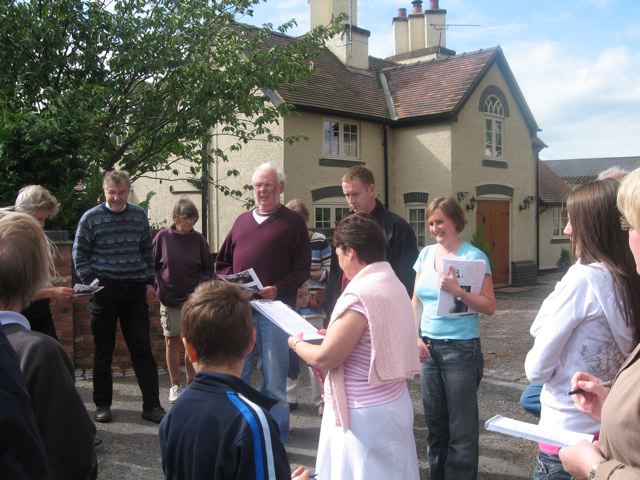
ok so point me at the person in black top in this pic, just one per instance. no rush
(63, 423)
(219, 427)
(359, 188)
(21, 451)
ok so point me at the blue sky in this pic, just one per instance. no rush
(576, 61)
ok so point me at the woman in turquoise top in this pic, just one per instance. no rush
(449, 347)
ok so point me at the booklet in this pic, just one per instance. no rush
(80, 290)
(470, 275)
(246, 279)
(536, 433)
(287, 319)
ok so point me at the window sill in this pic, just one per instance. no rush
(495, 164)
(559, 240)
(336, 162)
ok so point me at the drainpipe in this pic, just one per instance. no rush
(205, 192)
(385, 147)
(537, 157)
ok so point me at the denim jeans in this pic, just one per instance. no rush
(450, 380)
(549, 467)
(530, 399)
(271, 341)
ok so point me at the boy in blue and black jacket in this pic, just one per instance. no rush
(219, 427)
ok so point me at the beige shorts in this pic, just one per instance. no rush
(170, 319)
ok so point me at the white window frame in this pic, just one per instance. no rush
(559, 218)
(337, 210)
(416, 222)
(493, 131)
(337, 147)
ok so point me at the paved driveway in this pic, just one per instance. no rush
(130, 449)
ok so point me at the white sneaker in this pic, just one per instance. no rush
(174, 393)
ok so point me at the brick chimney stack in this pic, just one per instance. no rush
(435, 24)
(417, 31)
(401, 31)
(351, 45)
(422, 32)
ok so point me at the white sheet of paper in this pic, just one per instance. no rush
(536, 433)
(287, 319)
(81, 290)
(247, 279)
(470, 275)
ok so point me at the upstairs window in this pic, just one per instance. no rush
(341, 139)
(493, 123)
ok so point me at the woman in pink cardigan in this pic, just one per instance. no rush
(369, 351)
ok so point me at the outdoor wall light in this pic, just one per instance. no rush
(472, 204)
(526, 202)
(462, 196)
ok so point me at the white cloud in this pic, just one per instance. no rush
(587, 107)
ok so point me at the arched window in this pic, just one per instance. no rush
(493, 110)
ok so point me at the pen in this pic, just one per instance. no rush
(314, 475)
(579, 390)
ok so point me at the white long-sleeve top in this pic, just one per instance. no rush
(579, 327)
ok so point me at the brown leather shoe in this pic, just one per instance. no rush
(103, 414)
(154, 415)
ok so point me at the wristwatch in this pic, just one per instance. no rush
(594, 470)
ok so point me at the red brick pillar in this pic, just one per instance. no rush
(62, 310)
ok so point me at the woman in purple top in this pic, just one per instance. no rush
(182, 261)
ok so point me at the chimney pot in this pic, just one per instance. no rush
(402, 12)
(417, 6)
(433, 5)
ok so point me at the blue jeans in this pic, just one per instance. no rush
(271, 341)
(530, 399)
(450, 380)
(549, 467)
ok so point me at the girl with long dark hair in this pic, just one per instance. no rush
(590, 322)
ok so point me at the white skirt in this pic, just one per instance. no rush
(379, 443)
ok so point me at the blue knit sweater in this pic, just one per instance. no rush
(114, 246)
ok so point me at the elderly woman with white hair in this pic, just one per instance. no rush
(38, 202)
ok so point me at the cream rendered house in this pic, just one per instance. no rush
(426, 121)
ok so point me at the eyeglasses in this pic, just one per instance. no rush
(263, 186)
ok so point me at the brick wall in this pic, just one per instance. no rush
(73, 324)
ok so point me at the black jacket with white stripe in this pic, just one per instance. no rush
(220, 429)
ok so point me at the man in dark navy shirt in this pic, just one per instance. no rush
(219, 427)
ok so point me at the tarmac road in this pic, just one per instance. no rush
(130, 446)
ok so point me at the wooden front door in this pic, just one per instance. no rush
(493, 216)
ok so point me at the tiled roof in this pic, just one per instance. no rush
(436, 87)
(419, 91)
(582, 170)
(552, 190)
(335, 88)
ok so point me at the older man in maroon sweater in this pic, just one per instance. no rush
(275, 242)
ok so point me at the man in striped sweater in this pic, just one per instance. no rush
(112, 249)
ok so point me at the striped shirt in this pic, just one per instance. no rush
(360, 393)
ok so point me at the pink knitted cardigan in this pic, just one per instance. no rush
(394, 353)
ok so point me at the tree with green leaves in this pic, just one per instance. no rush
(90, 85)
